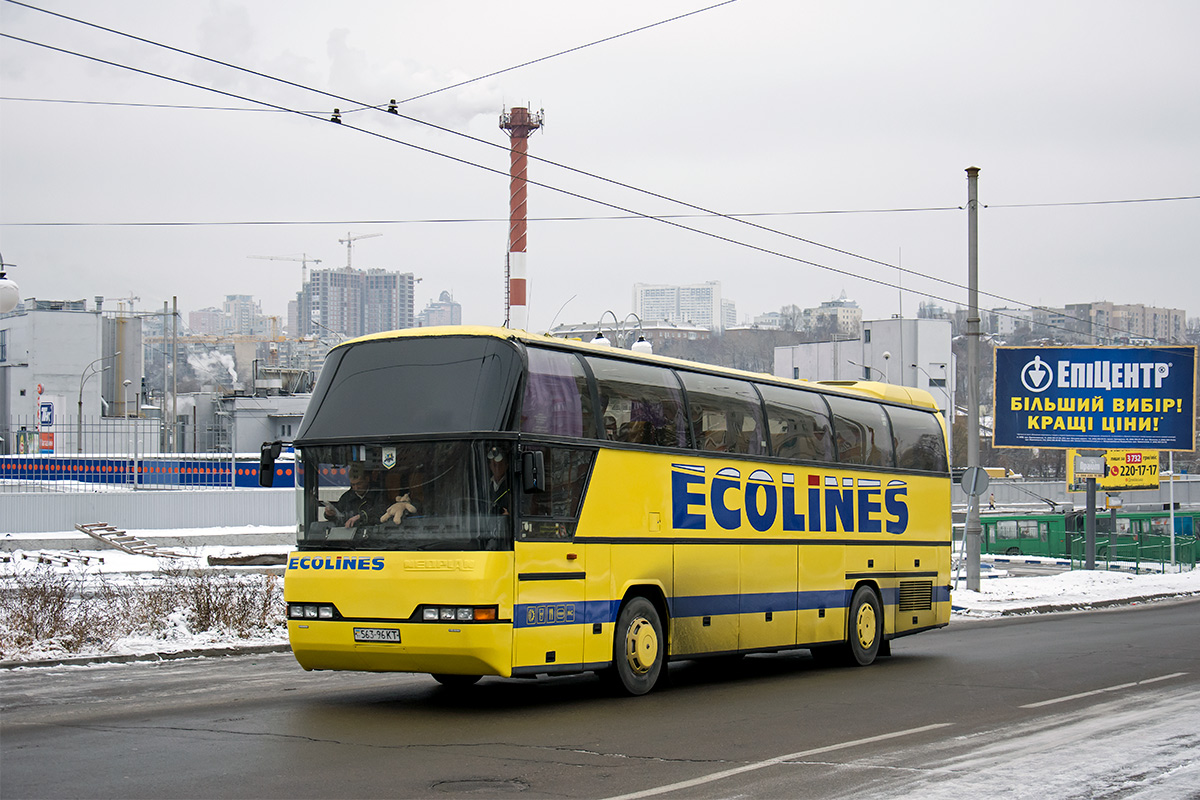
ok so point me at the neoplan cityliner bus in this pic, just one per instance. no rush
(525, 505)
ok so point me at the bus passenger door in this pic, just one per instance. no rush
(549, 619)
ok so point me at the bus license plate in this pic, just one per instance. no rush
(376, 635)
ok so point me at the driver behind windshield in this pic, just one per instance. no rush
(360, 504)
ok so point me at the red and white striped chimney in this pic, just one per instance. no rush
(520, 124)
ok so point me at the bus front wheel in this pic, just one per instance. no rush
(639, 647)
(866, 626)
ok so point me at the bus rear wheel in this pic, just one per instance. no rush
(456, 681)
(639, 647)
(866, 627)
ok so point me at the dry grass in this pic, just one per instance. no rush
(65, 611)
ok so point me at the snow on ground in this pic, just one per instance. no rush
(999, 595)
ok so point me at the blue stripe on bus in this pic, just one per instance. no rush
(590, 612)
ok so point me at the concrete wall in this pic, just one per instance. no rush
(42, 512)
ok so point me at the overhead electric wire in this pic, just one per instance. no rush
(484, 167)
(662, 218)
(491, 144)
(391, 110)
(394, 112)
(430, 151)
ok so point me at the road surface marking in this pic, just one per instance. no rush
(770, 762)
(1116, 688)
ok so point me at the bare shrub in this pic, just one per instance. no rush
(51, 609)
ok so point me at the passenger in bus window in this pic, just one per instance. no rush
(499, 494)
(361, 504)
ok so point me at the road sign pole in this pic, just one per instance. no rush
(1089, 535)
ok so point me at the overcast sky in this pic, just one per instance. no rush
(754, 106)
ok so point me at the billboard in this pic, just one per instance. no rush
(1133, 398)
(1124, 470)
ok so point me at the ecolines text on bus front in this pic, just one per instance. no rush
(830, 504)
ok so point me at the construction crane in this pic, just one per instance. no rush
(350, 240)
(302, 258)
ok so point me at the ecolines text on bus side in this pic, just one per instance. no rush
(830, 504)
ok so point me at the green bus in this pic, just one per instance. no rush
(1135, 535)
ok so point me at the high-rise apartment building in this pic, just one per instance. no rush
(241, 314)
(353, 302)
(698, 304)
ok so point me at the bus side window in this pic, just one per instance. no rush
(726, 414)
(641, 404)
(919, 440)
(557, 400)
(799, 424)
(553, 512)
(863, 431)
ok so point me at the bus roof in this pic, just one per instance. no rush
(903, 395)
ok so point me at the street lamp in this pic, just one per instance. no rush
(82, 380)
(867, 366)
(622, 333)
(941, 386)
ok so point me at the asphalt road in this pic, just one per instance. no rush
(1066, 705)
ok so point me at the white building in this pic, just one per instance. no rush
(58, 358)
(905, 352)
(696, 304)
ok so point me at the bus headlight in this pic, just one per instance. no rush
(311, 611)
(458, 613)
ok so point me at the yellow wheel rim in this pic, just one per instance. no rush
(641, 646)
(866, 625)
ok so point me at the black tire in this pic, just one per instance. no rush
(1013, 551)
(864, 633)
(456, 681)
(639, 647)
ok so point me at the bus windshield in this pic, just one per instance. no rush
(441, 495)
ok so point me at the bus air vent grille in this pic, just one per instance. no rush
(916, 595)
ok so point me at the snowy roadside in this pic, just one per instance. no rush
(176, 637)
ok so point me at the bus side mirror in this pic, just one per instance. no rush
(533, 471)
(266, 462)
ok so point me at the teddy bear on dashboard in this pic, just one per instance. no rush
(399, 509)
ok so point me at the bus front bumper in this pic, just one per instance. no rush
(475, 649)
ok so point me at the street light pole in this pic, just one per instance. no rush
(972, 532)
(82, 380)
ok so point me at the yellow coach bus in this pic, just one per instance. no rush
(480, 501)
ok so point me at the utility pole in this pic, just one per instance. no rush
(973, 530)
(174, 371)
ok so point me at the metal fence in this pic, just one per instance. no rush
(117, 454)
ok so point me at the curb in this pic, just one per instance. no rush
(205, 652)
(1051, 608)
